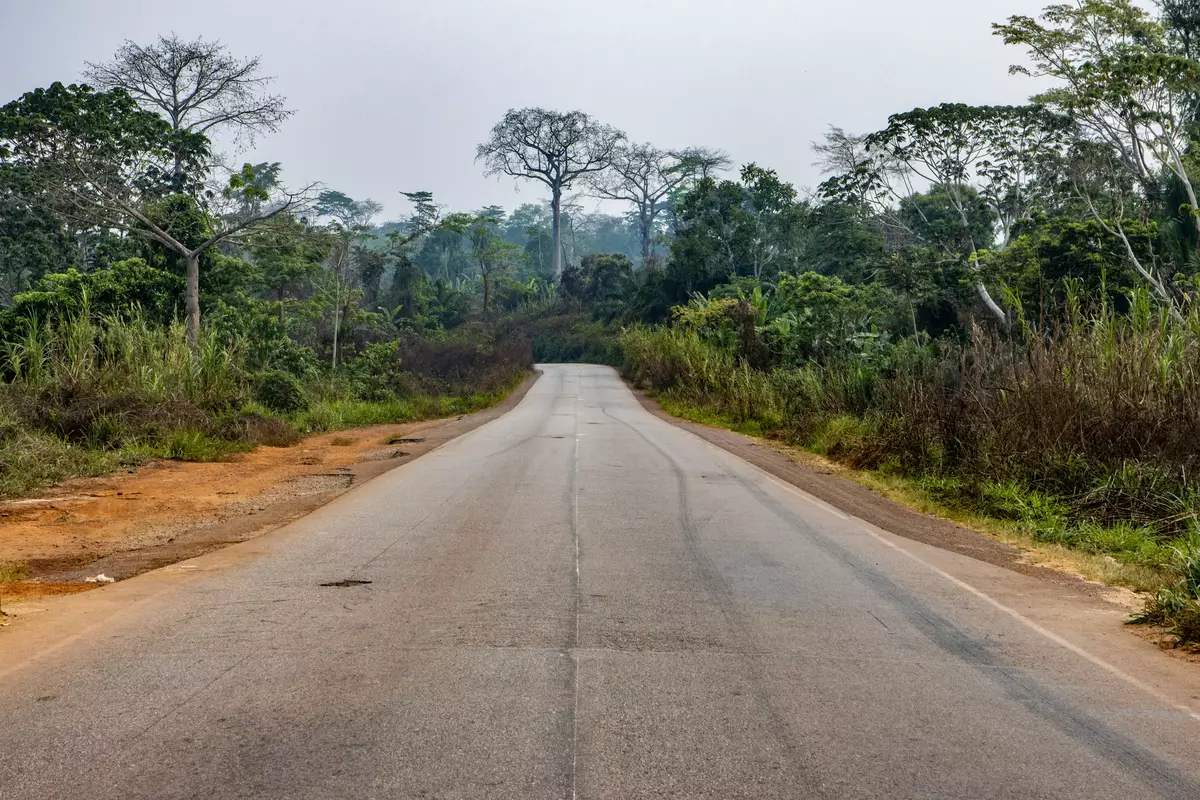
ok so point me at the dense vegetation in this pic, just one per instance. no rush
(994, 304)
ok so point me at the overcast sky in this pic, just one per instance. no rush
(394, 95)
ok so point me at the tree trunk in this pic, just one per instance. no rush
(487, 293)
(986, 297)
(983, 292)
(556, 227)
(646, 223)
(1181, 173)
(980, 288)
(337, 319)
(192, 298)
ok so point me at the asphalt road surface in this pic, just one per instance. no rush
(577, 600)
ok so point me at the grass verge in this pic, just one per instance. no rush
(31, 460)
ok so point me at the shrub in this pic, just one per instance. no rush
(121, 288)
(281, 392)
(375, 372)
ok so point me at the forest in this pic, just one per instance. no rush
(993, 306)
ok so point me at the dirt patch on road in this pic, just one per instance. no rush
(167, 511)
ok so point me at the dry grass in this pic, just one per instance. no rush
(11, 571)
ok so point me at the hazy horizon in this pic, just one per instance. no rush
(394, 97)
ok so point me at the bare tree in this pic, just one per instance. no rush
(551, 147)
(645, 176)
(198, 86)
(841, 152)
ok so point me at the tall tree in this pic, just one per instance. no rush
(971, 156)
(352, 220)
(1119, 79)
(1132, 94)
(198, 86)
(100, 160)
(645, 176)
(553, 148)
(493, 256)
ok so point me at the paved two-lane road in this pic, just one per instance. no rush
(576, 600)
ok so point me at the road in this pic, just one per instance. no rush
(578, 600)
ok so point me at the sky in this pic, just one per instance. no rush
(394, 95)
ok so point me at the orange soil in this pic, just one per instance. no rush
(85, 519)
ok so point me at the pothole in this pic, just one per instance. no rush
(406, 440)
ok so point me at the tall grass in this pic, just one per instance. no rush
(125, 354)
(84, 394)
(1104, 409)
(679, 364)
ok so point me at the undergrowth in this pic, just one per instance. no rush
(89, 394)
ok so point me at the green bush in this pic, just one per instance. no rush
(375, 372)
(561, 335)
(121, 288)
(281, 392)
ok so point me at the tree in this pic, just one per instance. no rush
(288, 255)
(602, 282)
(426, 218)
(730, 229)
(100, 160)
(772, 214)
(198, 86)
(969, 156)
(841, 152)
(351, 214)
(702, 162)
(645, 176)
(493, 256)
(34, 240)
(1099, 177)
(1132, 94)
(1120, 81)
(352, 220)
(1182, 21)
(554, 148)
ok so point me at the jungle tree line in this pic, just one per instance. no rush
(124, 165)
(963, 214)
(958, 212)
